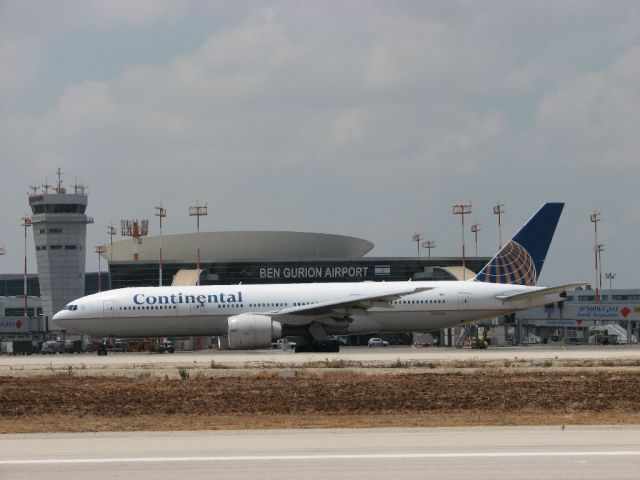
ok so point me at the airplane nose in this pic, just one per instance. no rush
(60, 317)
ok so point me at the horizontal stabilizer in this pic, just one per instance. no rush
(539, 292)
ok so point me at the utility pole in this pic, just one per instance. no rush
(462, 209)
(160, 213)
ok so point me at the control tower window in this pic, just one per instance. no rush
(62, 208)
(70, 247)
(55, 230)
(37, 208)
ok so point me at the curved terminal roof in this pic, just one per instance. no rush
(237, 246)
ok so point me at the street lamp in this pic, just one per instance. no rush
(462, 209)
(160, 213)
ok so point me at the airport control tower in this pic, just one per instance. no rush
(59, 233)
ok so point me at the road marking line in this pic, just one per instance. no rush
(354, 456)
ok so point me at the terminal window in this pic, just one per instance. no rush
(70, 247)
(55, 230)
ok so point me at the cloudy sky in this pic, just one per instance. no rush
(353, 117)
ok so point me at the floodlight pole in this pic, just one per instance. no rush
(475, 228)
(462, 209)
(160, 213)
(99, 249)
(111, 231)
(26, 223)
(429, 244)
(417, 237)
(599, 250)
(595, 218)
(498, 210)
(198, 211)
(610, 276)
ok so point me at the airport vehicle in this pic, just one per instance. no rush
(377, 342)
(165, 346)
(109, 345)
(283, 344)
(52, 346)
(252, 316)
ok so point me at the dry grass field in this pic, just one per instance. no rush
(325, 394)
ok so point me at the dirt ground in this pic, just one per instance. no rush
(320, 398)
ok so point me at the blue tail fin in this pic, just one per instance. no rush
(520, 261)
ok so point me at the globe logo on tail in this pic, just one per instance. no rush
(512, 265)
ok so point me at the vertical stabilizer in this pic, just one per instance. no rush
(520, 261)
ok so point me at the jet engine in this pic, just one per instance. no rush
(248, 331)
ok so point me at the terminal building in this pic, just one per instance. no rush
(271, 257)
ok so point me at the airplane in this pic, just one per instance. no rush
(252, 316)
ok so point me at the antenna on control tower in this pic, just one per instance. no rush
(59, 188)
(135, 229)
(79, 188)
(46, 186)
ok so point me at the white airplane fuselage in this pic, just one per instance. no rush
(205, 310)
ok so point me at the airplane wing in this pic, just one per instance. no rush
(343, 307)
(539, 292)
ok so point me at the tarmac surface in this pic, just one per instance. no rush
(497, 453)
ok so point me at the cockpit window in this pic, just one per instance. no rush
(73, 308)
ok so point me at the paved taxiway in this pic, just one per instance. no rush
(480, 453)
(355, 354)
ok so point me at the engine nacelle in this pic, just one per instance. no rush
(248, 331)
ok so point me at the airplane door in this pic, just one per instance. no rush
(463, 301)
(197, 308)
(108, 308)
